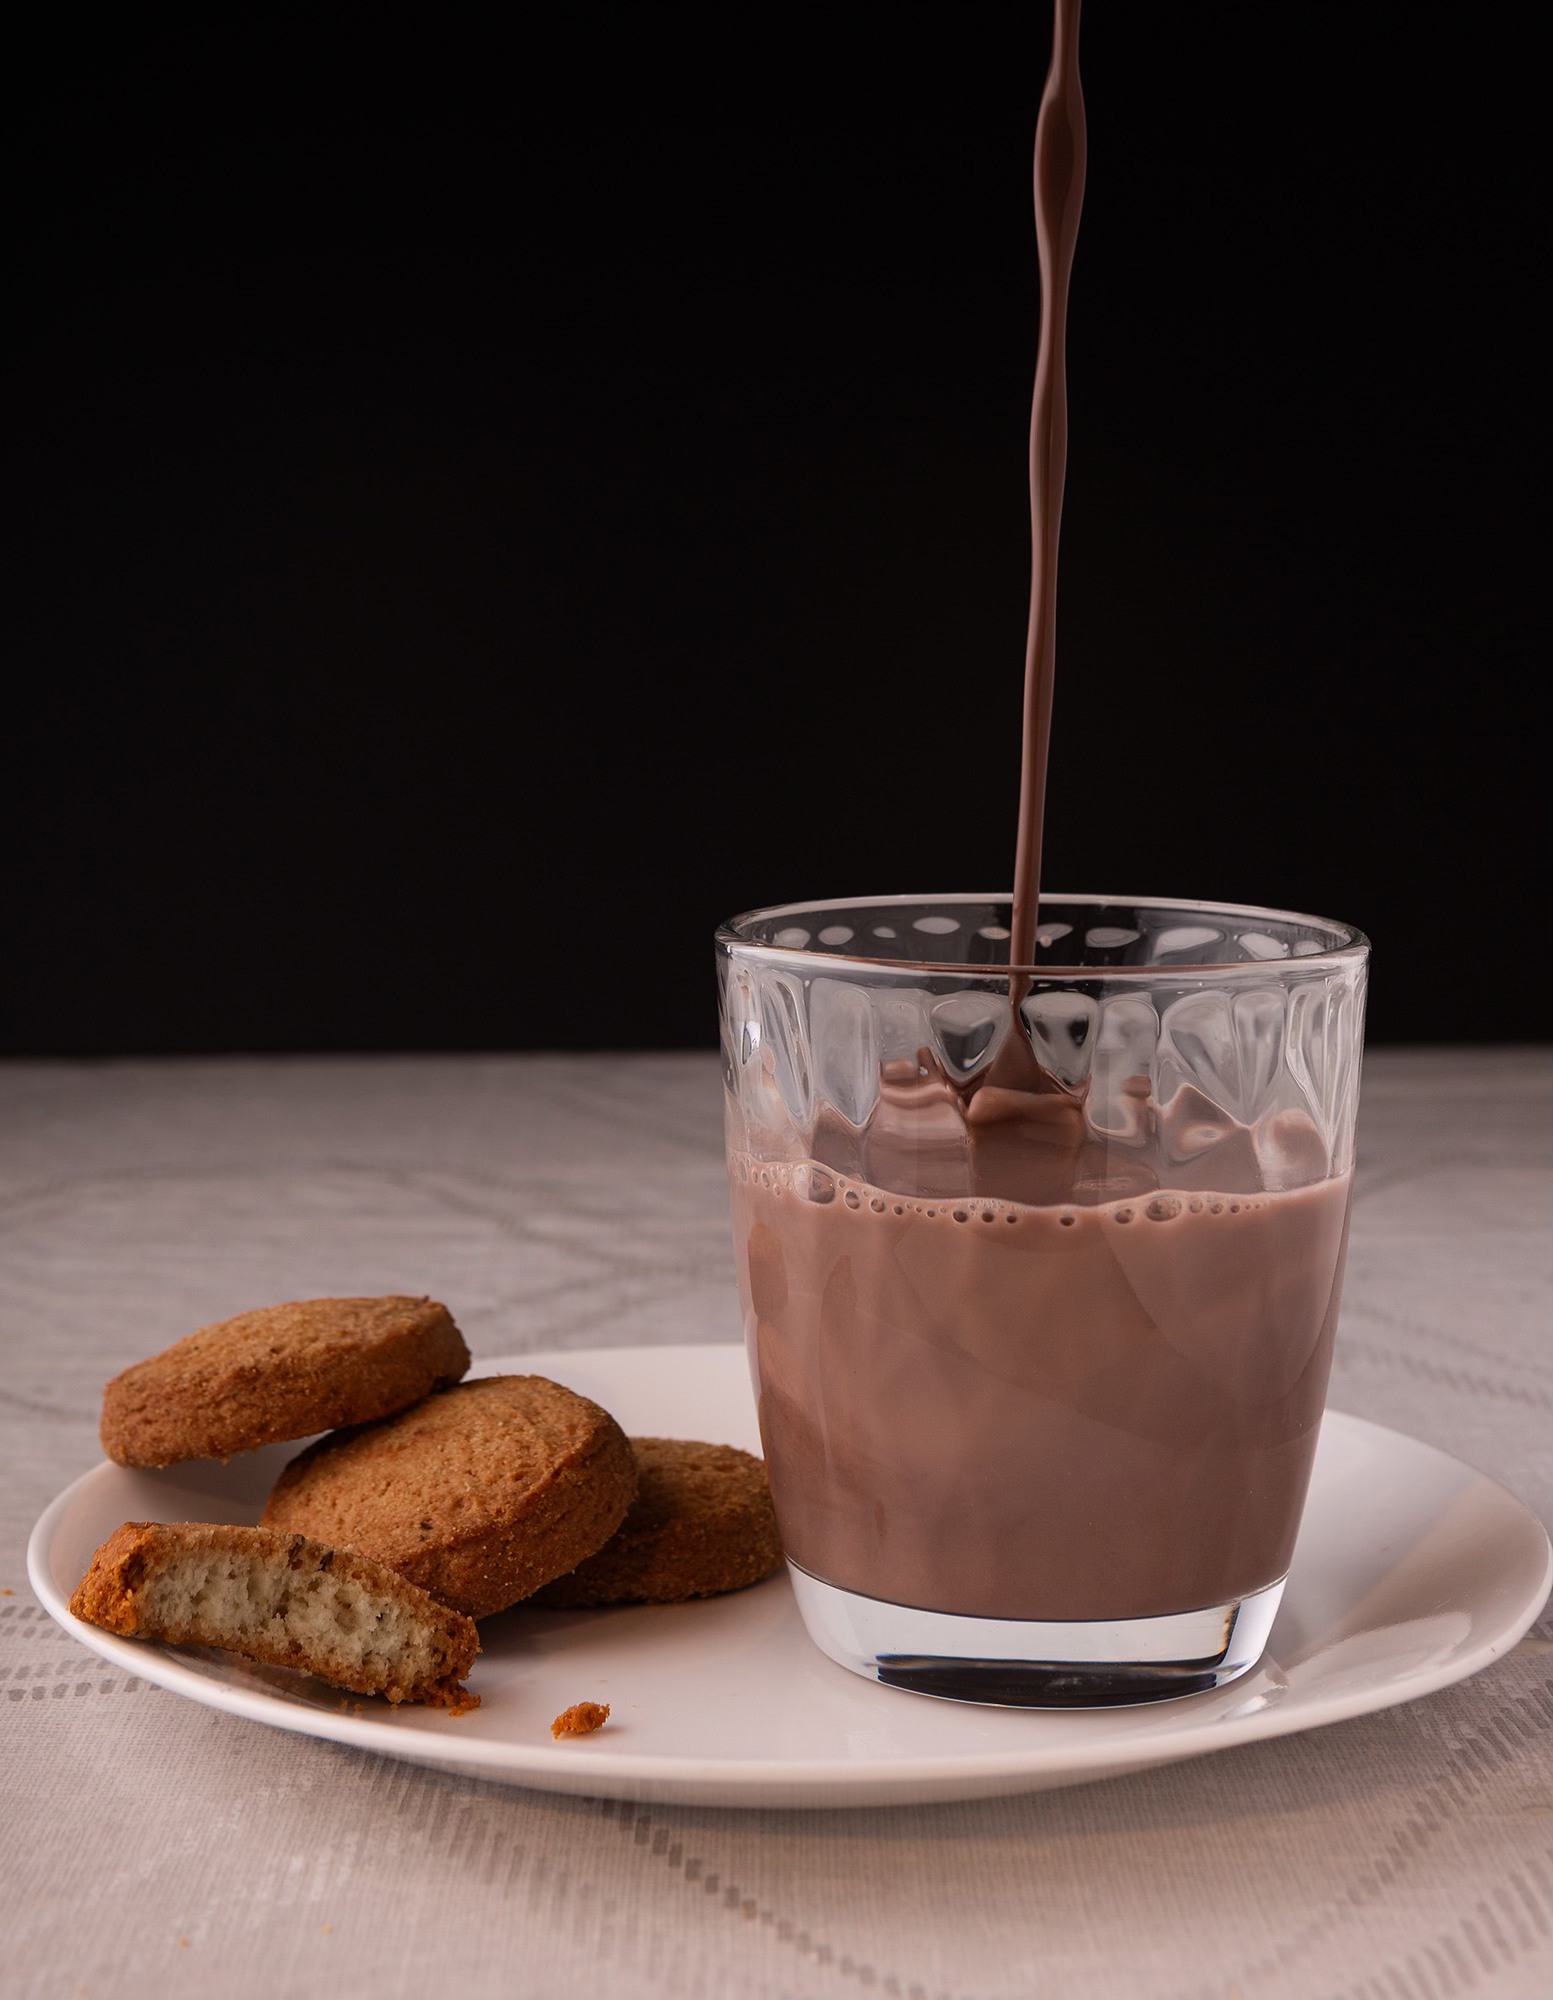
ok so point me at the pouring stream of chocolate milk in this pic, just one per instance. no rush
(1059, 197)
(1014, 1362)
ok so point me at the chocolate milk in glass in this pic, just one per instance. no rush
(1003, 1369)
(1038, 1410)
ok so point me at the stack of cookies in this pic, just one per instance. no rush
(431, 1502)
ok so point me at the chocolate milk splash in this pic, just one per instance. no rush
(1060, 154)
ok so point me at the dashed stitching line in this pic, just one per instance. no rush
(1524, 1719)
(41, 1692)
(660, 1842)
(1420, 1330)
(1465, 1382)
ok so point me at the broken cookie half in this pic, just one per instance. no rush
(284, 1600)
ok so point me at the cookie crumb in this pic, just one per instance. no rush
(7, 1593)
(581, 1719)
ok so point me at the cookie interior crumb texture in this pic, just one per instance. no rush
(581, 1719)
(284, 1600)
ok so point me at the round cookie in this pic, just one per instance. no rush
(479, 1495)
(701, 1523)
(281, 1372)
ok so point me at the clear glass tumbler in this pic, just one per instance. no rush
(1040, 1271)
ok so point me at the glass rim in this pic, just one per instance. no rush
(1354, 948)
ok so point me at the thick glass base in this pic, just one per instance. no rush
(1017, 1663)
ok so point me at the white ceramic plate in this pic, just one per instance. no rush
(1412, 1571)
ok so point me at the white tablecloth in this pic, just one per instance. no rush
(149, 1846)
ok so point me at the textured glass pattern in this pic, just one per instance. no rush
(1200, 1044)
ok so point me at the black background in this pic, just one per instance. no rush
(494, 505)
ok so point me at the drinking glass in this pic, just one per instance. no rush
(1040, 1270)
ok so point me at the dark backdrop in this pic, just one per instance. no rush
(494, 507)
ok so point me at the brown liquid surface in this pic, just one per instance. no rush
(1007, 1411)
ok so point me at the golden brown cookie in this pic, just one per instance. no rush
(479, 1495)
(701, 1523)
(282, 1372)
(283, 1600)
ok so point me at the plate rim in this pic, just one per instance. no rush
(603, 1769)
